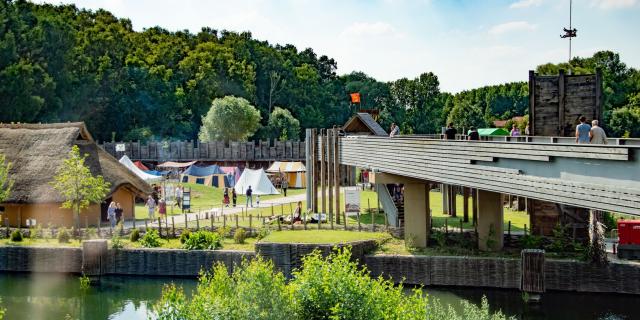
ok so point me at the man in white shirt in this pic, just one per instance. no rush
(597, 134)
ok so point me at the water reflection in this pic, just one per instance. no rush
(53, 296)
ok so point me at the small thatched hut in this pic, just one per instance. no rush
(37, 151)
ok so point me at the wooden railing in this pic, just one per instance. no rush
(263, 150)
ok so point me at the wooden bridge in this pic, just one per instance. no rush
(215, 151)
(598, 177)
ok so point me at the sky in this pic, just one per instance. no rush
(467, 44)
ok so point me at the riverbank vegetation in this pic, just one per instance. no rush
(324, 288)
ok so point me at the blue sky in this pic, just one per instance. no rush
(468, 44)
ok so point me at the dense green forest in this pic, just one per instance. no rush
(61, 63)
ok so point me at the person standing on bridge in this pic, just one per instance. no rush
(515, 131)
(450, 133)
(597, 134)
(473, 134)
(395, 130)
(582, 131)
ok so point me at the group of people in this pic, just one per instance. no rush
(227, 200)
(114, 213)
(592, 134)
(152, 205)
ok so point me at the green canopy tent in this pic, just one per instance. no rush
(492, 132)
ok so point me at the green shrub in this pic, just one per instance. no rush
(262, 233)
(239, 236)
(116, 242)
(2, 311)
(531, 242)
(224, 232)
(91, 233)
(16, 236)
(184, 236)
(203, 240)
(63, 235)
(331, 288)
(135, 235)
(151, 239)
(36, 233)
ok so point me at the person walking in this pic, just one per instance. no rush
(119, 212)
(249, 194)
(111, 214)
(234, 197)
(226, 197)
(179, 196)
(450, 133)
(582, 131)
(162, 207)
(151, 206)
(515, 131)
(597, 134)
(284, 186)
(473, 134)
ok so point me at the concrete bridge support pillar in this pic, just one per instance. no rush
(490, 220)
(417, 214)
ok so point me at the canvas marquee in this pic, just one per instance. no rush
(258, 180)
(294, 172)
(149, 178)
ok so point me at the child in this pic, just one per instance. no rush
(258, 200)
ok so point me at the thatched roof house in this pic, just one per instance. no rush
(36, 152)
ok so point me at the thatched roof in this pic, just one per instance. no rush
(37, 151)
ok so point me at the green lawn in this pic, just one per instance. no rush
(205, 197)
(322, 236)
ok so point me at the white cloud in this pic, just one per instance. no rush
(525, 4)
(613, 4)
(360, 29)
(512, 26)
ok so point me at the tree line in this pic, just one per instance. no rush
(62, 63)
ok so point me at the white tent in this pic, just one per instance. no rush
(258, 181)
(149, 178)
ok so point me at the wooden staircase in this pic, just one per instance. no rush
(400, 206)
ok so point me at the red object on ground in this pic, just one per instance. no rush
(141, 166)
(629, 231)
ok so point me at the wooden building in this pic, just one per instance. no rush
(36, 152)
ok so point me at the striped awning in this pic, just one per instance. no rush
(285, 166)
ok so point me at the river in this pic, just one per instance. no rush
(38, 296)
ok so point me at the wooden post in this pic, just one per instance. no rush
(446, 226)
(160, 227)
(186, 221)
(304, 221)
(330, 177)
(474, 207)
(314, 156)
(146, 226)
(465, 205)
(211, 221)
(323, 170)
(236, 221)
(358, 217)
(373, 225)
(173, 226)
(460, 226)
(99, 225)
(525, 229)
(345, 219)
(336, 173)
(279, 227)
(250, 220)
(224, 221)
